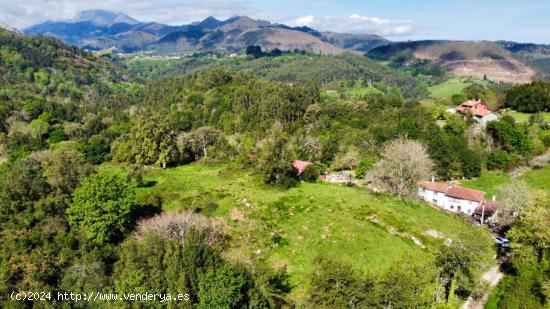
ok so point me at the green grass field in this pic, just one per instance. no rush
(448, 88)
(490, 181)
(523, 117)
(350, 93)
(291, 227)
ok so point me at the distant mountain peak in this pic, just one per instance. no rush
(103, 17)
(210, 23)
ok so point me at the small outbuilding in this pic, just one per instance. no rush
(300, 166)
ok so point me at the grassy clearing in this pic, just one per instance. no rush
(490, 181)
(448, 88)
(350, 93)
(291, 227)
(523, 117)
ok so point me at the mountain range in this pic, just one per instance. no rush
(98, 29)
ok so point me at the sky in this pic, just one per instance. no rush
(522, 21)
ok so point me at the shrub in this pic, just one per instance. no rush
(499, 160)
(311, 173)
(176, 225)
(365, 165)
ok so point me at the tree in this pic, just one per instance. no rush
(101, 207)
(347, 160)
(153, 142)
(57, 136)
(532, 227)
(223, 287)
(514, 197)
(65, 169)
(459, 261)
(530, 242)
(201, 139)
(409, 283)
(509, 138)
(310, 148)
(95, 149)
(339, 285)
(529, 98)
(499, 160)
(254, 51)
(404, 163)
(365, 165)
(275, 159)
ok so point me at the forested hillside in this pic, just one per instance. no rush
(179, 179)
(298, 66)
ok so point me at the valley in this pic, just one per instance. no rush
(247, 163)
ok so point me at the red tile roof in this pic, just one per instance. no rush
(465, 194)
(478, 108)
(300, 166)
(434, 186)
(453, 191)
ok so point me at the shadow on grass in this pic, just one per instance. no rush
(147, 184)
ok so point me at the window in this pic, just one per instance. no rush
(452, 207)
(434, 201)
(459, 208)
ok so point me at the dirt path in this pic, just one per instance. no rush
(493, 277)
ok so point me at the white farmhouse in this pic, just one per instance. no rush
(451, 197)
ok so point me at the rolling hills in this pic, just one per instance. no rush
(98, 29)
(290, 228)
(478, 59)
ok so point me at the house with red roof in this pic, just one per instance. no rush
(456, 199)
(477, 109)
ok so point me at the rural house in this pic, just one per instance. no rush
(456, 199)
(477, 109)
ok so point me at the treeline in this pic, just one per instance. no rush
(529, 98)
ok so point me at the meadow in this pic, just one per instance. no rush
(491, 181)
(289, 228)
(448, 88)
(523, 117)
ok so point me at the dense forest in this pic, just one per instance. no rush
(68, 225)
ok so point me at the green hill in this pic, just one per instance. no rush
(291, 227)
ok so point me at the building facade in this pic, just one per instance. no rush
(451, 198)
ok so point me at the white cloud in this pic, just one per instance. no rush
(302, 21)
(356, 24)
(24, 13)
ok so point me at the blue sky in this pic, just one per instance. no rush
(526, 21)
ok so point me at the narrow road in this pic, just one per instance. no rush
(493, 277)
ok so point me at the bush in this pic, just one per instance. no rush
(311, 173)
(499, 160)
(365, 165)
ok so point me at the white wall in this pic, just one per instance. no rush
(488, 118)
(465, 206)
(447, 203)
